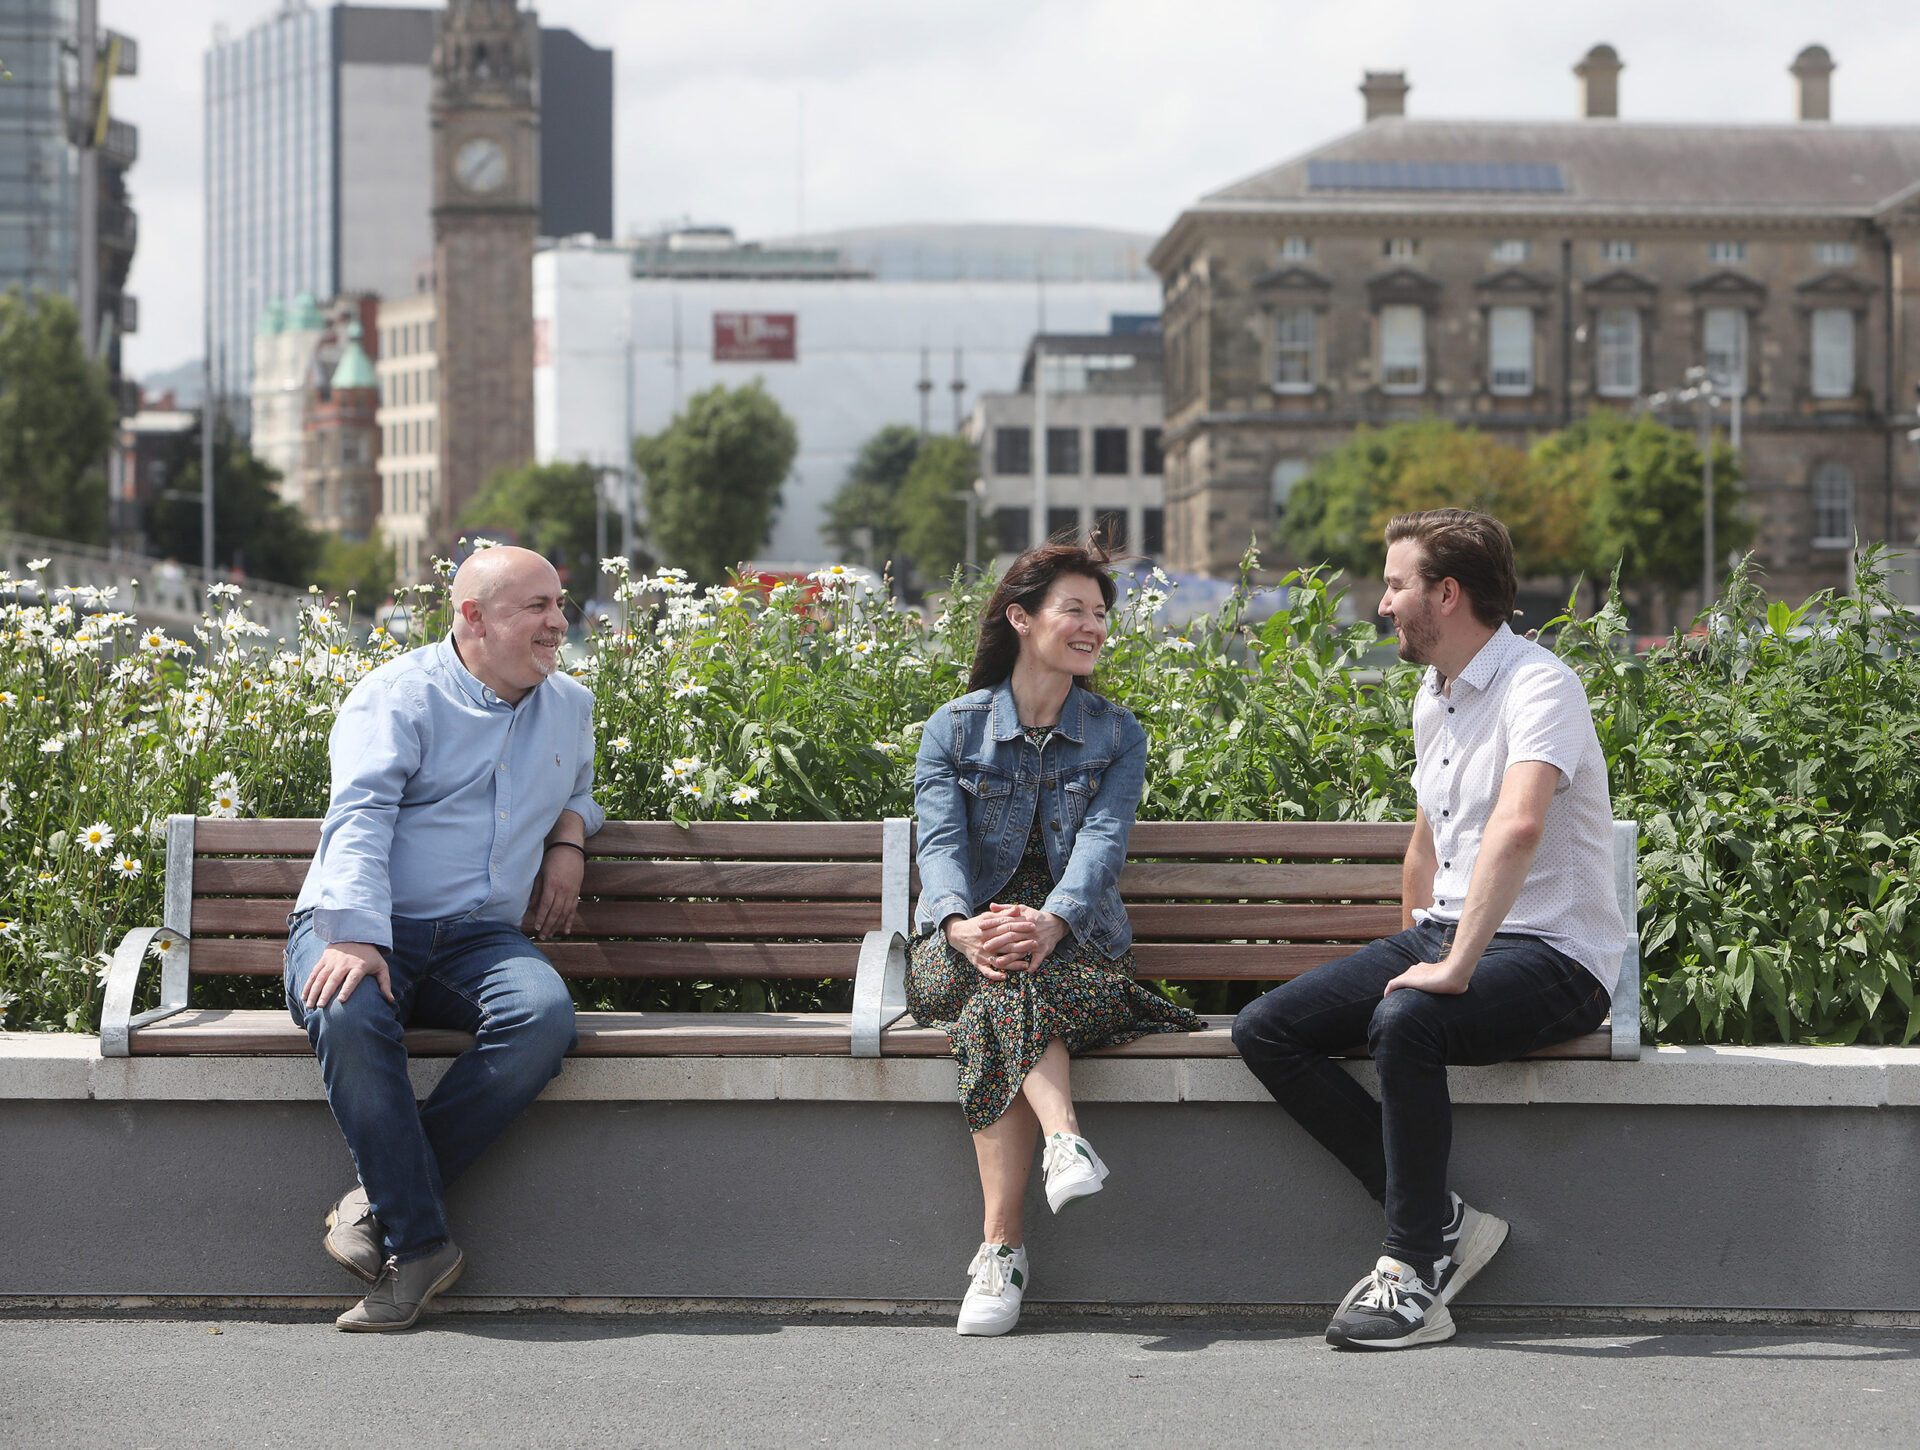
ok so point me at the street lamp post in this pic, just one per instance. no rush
(1700, 390)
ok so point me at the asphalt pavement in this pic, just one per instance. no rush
(696, 1380)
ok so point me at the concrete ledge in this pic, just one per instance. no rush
(1715, 1181)
(69, 1066)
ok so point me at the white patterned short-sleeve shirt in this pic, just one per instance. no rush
(1517, 702)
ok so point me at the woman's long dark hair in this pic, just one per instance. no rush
(1026, 583)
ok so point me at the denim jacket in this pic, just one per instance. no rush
(977, 784)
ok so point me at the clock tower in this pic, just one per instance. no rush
(486, 206)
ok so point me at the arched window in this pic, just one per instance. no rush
(1833, 506)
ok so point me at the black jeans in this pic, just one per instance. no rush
(1524, 995)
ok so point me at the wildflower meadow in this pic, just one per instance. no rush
(1771, 760)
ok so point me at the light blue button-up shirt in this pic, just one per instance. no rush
(443, 796)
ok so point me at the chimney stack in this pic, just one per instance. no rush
(1813, 83)
(1385, 92)
(1599, 72)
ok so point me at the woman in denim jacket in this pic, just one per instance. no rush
(1025, 790)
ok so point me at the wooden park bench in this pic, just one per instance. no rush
(801, 901)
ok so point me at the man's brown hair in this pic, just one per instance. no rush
(1472, 549)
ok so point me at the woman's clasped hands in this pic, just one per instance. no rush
(1005, 938)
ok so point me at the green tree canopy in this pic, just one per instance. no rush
(366, 568)
(1641, 496)
(1338, 513)
(56, 421)
(929, 514)
(252, 525)
(865, 501)
(713, 478)
(546, 507)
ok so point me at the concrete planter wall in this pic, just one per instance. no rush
(1698, 1178)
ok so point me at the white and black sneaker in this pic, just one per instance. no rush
(992, 1305)
(1393, 1308)
(1470, 1239)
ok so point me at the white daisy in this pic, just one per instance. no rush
(97, 839)
(744, 795)
(126, 867)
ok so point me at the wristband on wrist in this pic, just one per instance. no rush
(574, 845)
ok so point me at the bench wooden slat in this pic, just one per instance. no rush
(209, 1033)
(1233, 961)
(806, 961)
(1155, 922)
(753, 880)
(221, 915)
(205, 1033)
(1237, 881)
(737, 840)
(1266, 840)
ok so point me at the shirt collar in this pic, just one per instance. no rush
(1484, 667)
(1006, 715)
(468, 683)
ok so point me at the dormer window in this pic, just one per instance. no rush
(1296, 249)
(1619, 251)
(1726, 254)
(1400, 249)
(1835, 254)
(1512, 250)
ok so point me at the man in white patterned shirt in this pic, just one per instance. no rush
(1512, 936)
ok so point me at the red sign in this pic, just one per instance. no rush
(754, 336)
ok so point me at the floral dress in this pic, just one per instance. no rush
(999, 1029)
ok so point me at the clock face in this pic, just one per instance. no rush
(481, 165)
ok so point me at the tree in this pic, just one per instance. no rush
(864, 503)
(547, 507)
(366, 568)
(929, 514)
(1643, 498)
(713, 478)
(253, 526)
(1338, 513)
(56, 421)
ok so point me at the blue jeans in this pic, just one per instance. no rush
(482, 977)
(1524, 995)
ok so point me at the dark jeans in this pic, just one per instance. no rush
(1524, 995)
(481, 977)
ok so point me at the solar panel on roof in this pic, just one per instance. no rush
(1434, 176)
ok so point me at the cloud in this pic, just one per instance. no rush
(1105, 112)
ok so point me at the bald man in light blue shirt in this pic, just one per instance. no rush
(461, 803)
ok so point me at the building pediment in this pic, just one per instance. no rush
(1840, 287)
(1728, 287)
(1515, 282)
(1402, 286)
(1622, 287)
(1292, 279)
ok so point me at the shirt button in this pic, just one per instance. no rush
(1443, 762)
(1443, 813)
(1449, 709)
(503, 815)
(1448, 865)
(1053, 825)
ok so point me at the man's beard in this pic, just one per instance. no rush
(1417, 637)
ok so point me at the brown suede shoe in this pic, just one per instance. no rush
(353, 1236)
(402, 1291)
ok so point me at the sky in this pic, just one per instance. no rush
(780, 115)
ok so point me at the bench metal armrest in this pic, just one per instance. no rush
(1626, 991)
(123, 980)
(879, 991)
(880, 981)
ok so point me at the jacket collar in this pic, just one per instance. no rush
(1006, 715)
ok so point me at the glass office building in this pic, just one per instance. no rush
(39, 168)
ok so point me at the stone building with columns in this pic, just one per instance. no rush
(1512, 275)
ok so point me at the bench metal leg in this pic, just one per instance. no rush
(879, 990)
(123, 980)
(1626, 992)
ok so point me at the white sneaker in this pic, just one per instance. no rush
(1073, 1169)
(992, 1305)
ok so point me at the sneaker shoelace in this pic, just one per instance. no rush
(1387, 1294)
(990, 1270)
(1062, 1152)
